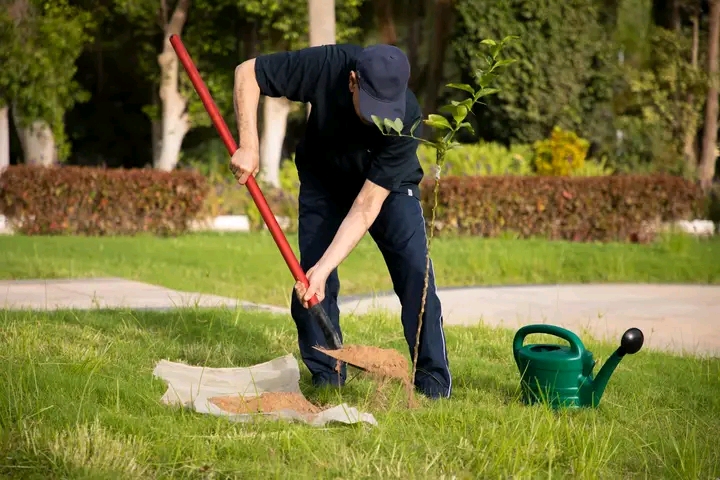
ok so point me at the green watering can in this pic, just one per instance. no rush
(562, 375)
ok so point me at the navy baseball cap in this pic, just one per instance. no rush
(383, 73)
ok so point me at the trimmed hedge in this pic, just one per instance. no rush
(95, 201)
(608, 208)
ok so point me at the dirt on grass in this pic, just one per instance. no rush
(267, 402)
(379, 362)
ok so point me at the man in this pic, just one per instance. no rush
(353, 179)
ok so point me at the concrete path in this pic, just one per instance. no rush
(93, 293)
(673, 317)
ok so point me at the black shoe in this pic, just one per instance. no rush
(324, 381)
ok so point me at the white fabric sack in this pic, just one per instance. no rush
(192, 386)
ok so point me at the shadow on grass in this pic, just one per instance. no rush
(215, 338)
(199, 337)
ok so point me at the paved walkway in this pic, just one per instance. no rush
(673, 317)
(93, 293)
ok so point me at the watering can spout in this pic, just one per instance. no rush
(632, 342)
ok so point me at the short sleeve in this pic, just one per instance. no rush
(397, 158)
(292, 74)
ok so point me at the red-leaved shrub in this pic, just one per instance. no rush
(96, 201)
(607, 208)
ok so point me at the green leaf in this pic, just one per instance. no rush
(438, 121)
(503, 63)
(468, 126)
(378, 122)
(398, 125)
(486, 91)
(467, 103)
(461, 86)
(488, 41)
(458, 112)
(485, 79)
(389, 125)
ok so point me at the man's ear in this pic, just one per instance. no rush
(352, 81)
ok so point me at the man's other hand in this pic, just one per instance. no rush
(245, 162)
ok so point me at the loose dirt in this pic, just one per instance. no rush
(380, 362)
(267, 402)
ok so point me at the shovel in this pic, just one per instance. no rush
(314, 306)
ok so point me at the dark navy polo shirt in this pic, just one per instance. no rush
(337, 147)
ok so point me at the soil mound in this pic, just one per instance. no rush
(380, 362)
(267, 402)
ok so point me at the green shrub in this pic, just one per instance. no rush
(484, 158)
(609, 208)
(96, 201)
(562, 154)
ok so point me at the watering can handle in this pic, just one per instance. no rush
(576, 345)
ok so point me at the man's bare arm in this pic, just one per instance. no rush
(359, 219)
(246, 96)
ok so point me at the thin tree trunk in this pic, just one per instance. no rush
(175, 119)
(386, 21)
(156, 126)
(675, 19)
(690, 148)
(4, 138)
(443, 16)
(707, 163)
(415, 23)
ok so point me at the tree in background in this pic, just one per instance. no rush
(554, 82)
(41, 42)
(173, 121)
(709, 155)
(292, 25)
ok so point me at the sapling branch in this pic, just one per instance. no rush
(458, 111)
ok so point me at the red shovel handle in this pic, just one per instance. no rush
(231, 146)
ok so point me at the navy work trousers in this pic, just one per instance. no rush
(399, 233)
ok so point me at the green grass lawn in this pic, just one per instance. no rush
(78, 400)
(249, 266)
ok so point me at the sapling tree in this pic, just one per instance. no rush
(446, 130)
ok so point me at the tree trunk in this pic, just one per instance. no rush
(442, 14)
(707, 163)
(689, 148)
(275, 114)
(386, 21)
(675, 19)
(156, 129)
(175, 119)
(321, 16)
(415, 23)
(4, 138)
(36, 140)
(321, 19)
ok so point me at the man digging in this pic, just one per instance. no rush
(353, 180)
